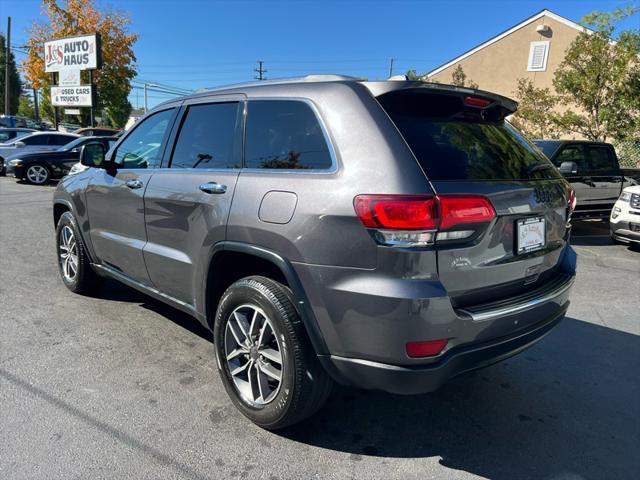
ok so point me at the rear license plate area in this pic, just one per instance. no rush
(532, 234)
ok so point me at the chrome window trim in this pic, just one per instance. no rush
(481, 316)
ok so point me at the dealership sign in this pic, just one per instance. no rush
(70, 78)
(73, 53)
(72, 96)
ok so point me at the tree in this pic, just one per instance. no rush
(535, 115)
(16, 86)
(459, 78)
(599, 80)
(25, 107)
(413, 75)
(77, 17)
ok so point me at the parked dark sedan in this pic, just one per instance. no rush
(40, 167)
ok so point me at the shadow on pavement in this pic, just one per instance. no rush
(560, 410)
(115, 291)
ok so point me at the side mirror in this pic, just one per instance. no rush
(92, 155)
(19, 144)
(569, 168)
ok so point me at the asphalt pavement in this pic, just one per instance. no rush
(122, 386)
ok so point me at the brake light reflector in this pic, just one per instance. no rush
(428, 348)
(397, 212)
(461, 209)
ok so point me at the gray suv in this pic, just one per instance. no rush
(387, 235)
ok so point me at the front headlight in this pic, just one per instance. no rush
(625, 196)
(16, 162)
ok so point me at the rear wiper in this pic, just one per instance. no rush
(538, 167)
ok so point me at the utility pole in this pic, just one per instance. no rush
(260, 70)
(36, 110)
(145, 94)
(391, 67)
(7, 77)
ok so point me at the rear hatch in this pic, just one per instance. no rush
(464, 145)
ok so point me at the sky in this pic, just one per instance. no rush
(192, 44)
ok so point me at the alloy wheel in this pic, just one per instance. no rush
(68, 249)
(253, 355)
(37, 174)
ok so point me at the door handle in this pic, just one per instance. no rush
(213, 187)
(133, 184)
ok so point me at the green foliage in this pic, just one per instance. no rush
(25, 107)
(16, 84)
(459, 78)
(602, 79)
(413, 75)
(535, 115)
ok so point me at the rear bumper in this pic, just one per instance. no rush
(409, 380)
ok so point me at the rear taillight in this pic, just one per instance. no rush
(572, 200)
(397, 212)
(462, 209)
(415, 220)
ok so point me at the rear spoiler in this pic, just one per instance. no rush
(379, 89)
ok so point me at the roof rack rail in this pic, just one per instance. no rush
(278, 81)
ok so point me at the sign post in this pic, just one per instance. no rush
(66, 58)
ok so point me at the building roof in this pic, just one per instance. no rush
(533, 18)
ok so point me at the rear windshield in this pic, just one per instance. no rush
(454, 142)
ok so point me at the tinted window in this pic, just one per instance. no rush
(547, 147)
(601, 161)
(61, 139)
(36, 140)
(572, 153)
(453, 142)
(141, 148)
(5, 136)
(284, 134)
(209, 137)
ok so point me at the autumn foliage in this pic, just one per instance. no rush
(79, 17)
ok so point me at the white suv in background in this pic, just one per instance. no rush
(625, 216)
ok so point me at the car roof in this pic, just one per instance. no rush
(283, 86)
(36, 133)
(88, 129)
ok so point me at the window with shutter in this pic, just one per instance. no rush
(538, 54)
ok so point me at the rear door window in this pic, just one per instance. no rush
(601, 160)
(209, 137)
(285, 134)
(453, 142)
(37, 140)
(60, 140)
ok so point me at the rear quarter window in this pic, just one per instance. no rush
(285, 134)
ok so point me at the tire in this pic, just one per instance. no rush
(37, 174)
(75, 269)
(304, 386)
